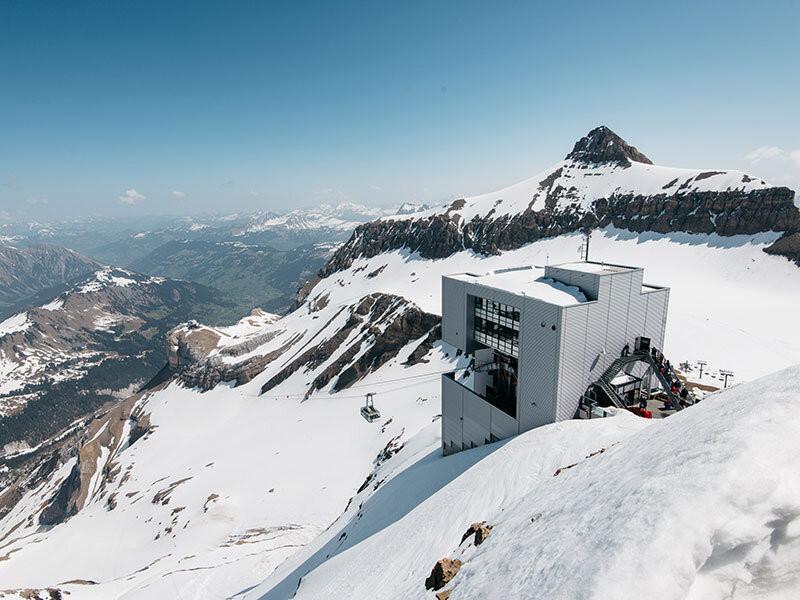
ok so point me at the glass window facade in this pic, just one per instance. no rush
(497, 326)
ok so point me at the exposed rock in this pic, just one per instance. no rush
(787, 245)
(304, 291)
(412, 324)
(443, 595)
(443, 571)
(140, 426)
(601, 145)
(419, 353)
(163, 495)
(439, 236)
(725, 213)
(478, 531)
(209, 373)
(383, 322)
(65, 503)
(186, 346)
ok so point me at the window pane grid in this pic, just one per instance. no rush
(497, 326)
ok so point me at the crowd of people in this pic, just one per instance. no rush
(677, 387)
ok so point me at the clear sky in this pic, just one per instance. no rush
(138, 107)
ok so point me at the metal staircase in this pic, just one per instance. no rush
(665, 379)
(604, 382)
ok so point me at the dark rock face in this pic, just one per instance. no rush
(384, 321)
(787, 245)
(410, 325)
(725, 213)
(419, 353)
(601, 145)
(64, 504)
(439, 236)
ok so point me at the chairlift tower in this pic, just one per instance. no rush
(725, 374)
(702, 364)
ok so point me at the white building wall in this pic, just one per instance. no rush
(572, 365)
(469, 421)
(452, 413)
(454, 313)
(537, 383)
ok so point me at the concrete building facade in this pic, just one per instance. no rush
(539, 338)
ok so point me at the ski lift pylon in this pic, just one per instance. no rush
(368, 411)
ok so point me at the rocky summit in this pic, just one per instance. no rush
(601, 145)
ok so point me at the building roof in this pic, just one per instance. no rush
(594, 267)
(527, 282)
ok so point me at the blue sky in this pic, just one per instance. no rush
(112, 107)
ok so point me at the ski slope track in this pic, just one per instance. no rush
(246, 470)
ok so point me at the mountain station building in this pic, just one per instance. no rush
(539, 339)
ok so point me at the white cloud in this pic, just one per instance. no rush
(131, 197)
(777, 165)
(178, 194)
(765, 153)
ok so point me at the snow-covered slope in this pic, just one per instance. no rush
(704, 505)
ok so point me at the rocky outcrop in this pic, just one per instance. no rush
(724, 213)
(410, 325)
(601, 145)
(378, 327)
(65, 503)
(210, 372)
(439, 236)
(443, 571)
(422, 350)
(787, 245)
(478, 532)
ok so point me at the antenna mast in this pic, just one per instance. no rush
(584, 249)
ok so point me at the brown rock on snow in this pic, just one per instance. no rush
(480, 531)
(443, 571)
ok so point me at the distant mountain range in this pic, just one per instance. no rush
(122, 242)
(98, 340)
(25, 272)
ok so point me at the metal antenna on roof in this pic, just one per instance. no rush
(584, 248)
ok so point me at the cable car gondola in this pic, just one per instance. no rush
(368, 411)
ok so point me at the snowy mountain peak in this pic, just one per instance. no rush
(601, 145)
